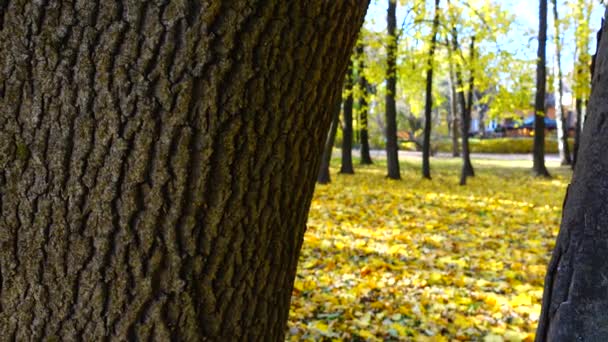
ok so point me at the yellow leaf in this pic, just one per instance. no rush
(493, 338)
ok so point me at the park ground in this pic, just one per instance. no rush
(420, 260)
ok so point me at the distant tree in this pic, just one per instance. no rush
(324, 176)
(347, 124)
(576, 291)
(580, 14)
(467, 106)
(366, 158)
(428, 106)
(392, 148)
(454, 122)
(560, 112)
(157, 163)
(465, 96)
(539, 168)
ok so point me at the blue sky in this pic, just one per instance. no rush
(520, 38)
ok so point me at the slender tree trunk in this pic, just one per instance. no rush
(392, 148)
(575, 299)
(455, 127)
(577, 130)
(347, 125)
(538, 167)
(157, 163)
(560, 113)
(482, 120)
(366, 158)
(467, 167)
(324, 176)
(428, 106)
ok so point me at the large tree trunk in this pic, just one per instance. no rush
(538, 167)
(575, 300)
(392, 148)
(366, 158)
(324, 176)
(157, 163)
(347, 125)
(560, 113)
(428, 105)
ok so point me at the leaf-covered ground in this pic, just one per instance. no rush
(419, 260)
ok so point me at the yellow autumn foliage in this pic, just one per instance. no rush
(419, 260)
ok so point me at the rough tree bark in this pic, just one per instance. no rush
(560, 113)
(575, 299)
(157, 163)
(366, 158)
(347, 124)
(392, 147)
(539, 168)
(324, 176)
(428, 105)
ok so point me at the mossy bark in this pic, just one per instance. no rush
(575, 299)
(157, 163)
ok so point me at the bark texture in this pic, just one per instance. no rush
(366, 158)
(324, 176)
(157, 162)
(392, 147)
(428, 105)
(347, 124)
(538, 167)
(575, 300)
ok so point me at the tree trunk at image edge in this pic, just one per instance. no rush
(428, 105)
(560, 113)
(575, 299)
(392, 148)
(157, 163)
(538, 167)
(347, 125)
(324, 176)
(366, 158)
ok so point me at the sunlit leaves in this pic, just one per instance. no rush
(426, 261)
